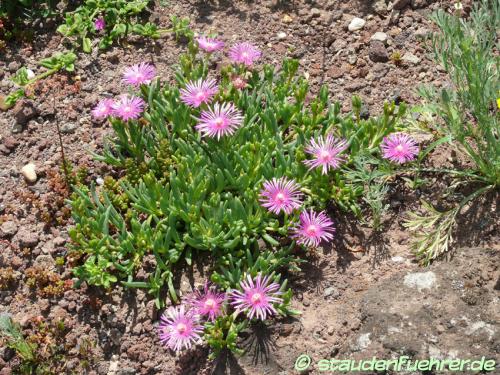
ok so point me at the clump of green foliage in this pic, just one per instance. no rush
(181, 195)
(468, 117)
(120, 19)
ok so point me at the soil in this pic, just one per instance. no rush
(356, 286)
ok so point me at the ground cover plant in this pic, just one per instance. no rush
(107, 20)
(466, 116)
(241, 168)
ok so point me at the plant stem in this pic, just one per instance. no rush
(65, 165)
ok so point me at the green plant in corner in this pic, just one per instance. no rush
(11, 332)
(467, 117)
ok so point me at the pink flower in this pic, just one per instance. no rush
(257, 297)
(220, 120)
(313, 228)
(139, 74)
(326, 152)
(280, 194)
(239, 83)
(199, 92)
(209, 44)
(103, 109)
(128, 107)
(179, 329)
(207, 302)
(244, 53)
(99, 24)
(399, 148)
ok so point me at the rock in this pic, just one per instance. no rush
(356, 24)
(329, 291)
(29, 173)
(380, 7)
(438, 321)
(417, 4)
(30, 74)
(137, 352)
(69, 127)
(8, 229)
(380, 70)
(13, 66)
(59, 241)
(397, 259)
(379, 36)
(422, 32)
(410, 58)
(378, 52)
(45, 261)
(420, 280)
(400, 4)
(10, 143)
(352, 57)
(315, 12)
(27, 239)
(287, 19)
(335, 72)
(338, 45)
(24, 110)
(281, 35)
(362, 342)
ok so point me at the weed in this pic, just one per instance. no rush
(468, 119)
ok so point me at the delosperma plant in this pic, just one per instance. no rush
(240, 164)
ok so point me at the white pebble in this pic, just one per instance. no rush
(381, 37)
(29, 172)
(356, 24)
(281, 35)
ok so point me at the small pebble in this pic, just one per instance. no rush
(29, 172)
(356, 24)
(281, 35)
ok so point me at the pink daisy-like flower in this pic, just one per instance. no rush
(326, 152)
(313, 228)
(179, 329)
(199, 92)
(257, 297)
(399, 148)
(103, 109)
(209, 44)
(139, 74)
(239, 83)
(99, 24)
(280, 194)
(207, 302)
(220, 120)
(128, 107)
(244, 53)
